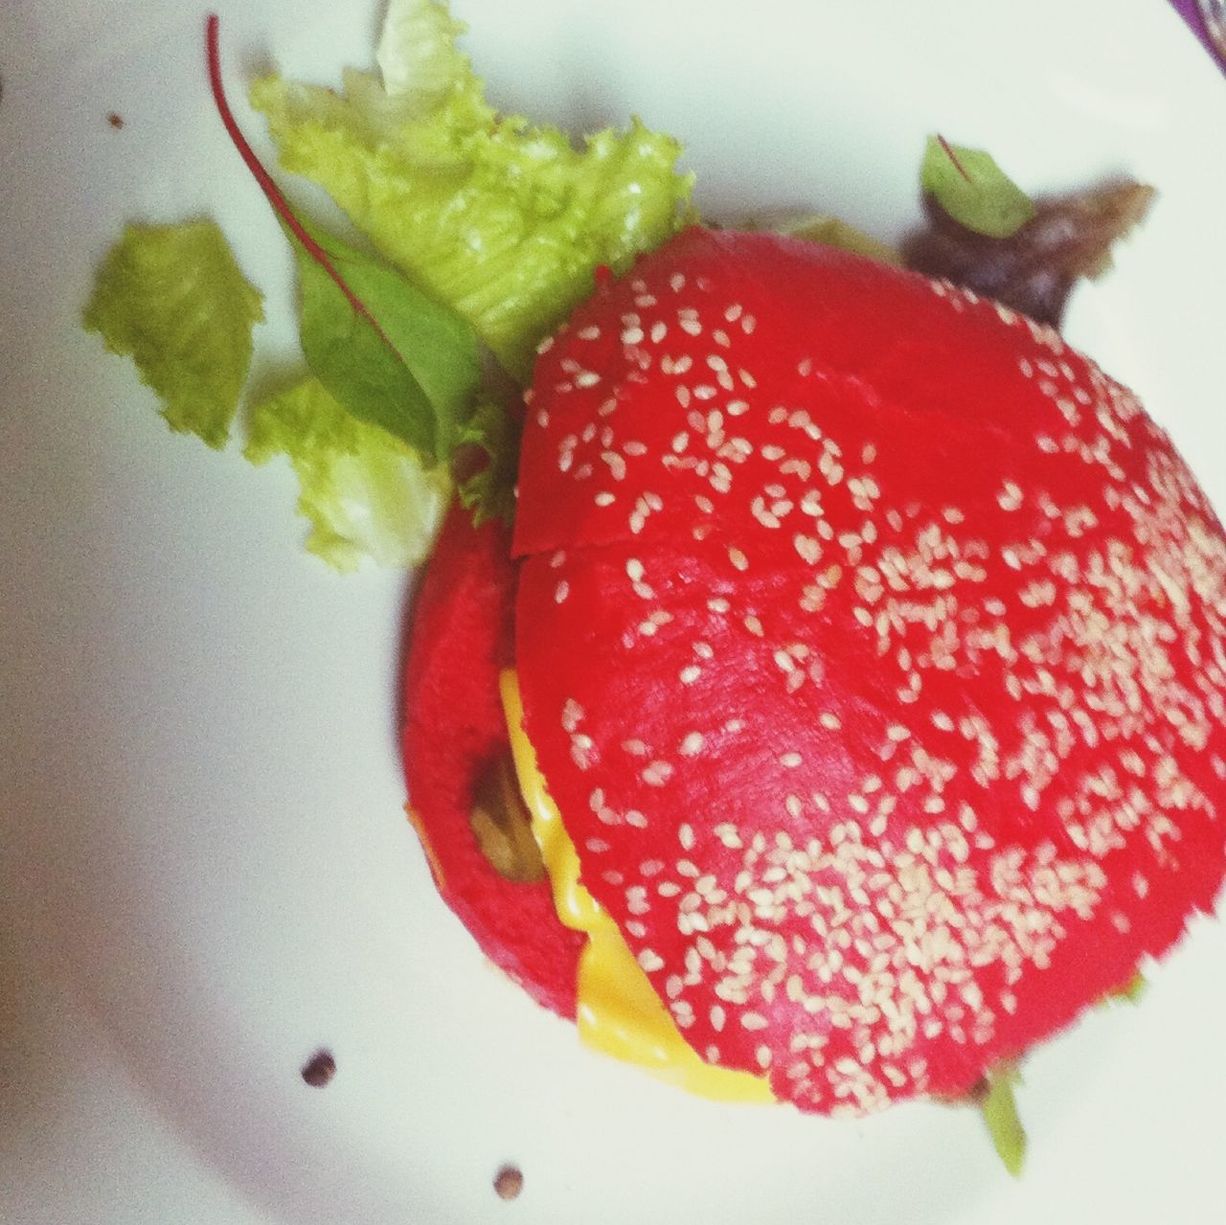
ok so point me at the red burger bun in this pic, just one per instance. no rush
(453, 730)
(871, 643)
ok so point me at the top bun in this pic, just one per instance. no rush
(871, 643)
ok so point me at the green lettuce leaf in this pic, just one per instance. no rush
(999, 1109)
(363, 491)
(421, 65)
(172, 298)
(501, 219)
(1130, 992)
(973, 190)
(403, 362)
(490, 491)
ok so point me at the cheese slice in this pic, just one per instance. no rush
(619, 1011)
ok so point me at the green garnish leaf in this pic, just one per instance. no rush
(172, 297)
(1130, 993)
(391, 354)
(999, 1110)
(364, 491)
(973, 190)
(501, 219)
(402, 361)
(490, 491)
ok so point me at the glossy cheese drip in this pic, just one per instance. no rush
(619, 1012)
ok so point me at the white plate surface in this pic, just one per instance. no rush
(201, 826)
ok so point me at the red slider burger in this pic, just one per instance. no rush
(845, 713)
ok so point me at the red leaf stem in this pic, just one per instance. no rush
(953, 157)
(276, 197)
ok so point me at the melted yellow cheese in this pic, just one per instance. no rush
(619, 1011)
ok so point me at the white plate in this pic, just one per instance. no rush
(201, 799)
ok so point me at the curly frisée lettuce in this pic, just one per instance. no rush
(363, 491)
(502, 219)
(495, 226)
